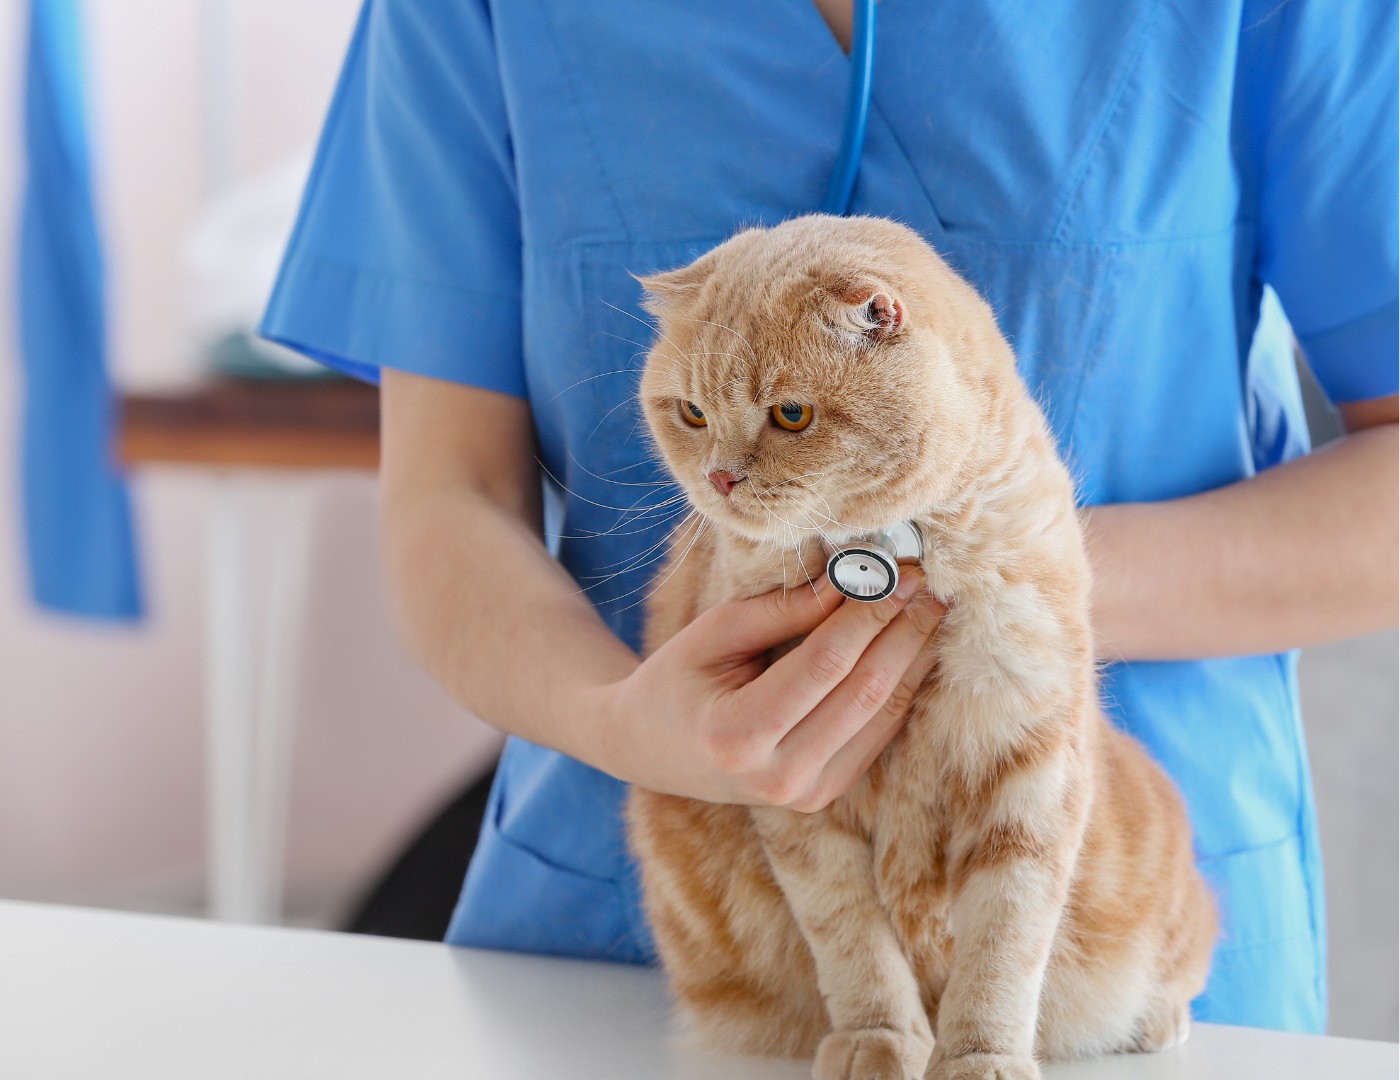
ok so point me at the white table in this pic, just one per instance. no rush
(87, 994)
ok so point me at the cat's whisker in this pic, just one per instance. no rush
(818, 529)
(634, 516)
(710, 322)
(796, 549)
(621, 483)
(730, 382)
(603, 506)
(604, 418)
(630, 341)
(600, 534)
(812, 526)
(827, 519)
(715, 352)
(812, 584)
(773, 513)
(652, 555)
(679, 562)
(607, 534)
(667, 524)
(662, 518)
(599, 580)
(599, 375)
(637, 318)
(630, 434)
(661, 514)
(791, 480)
(659, 543)
(831, 520)
(646, 461)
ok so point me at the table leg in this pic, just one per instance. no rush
(229, 703)
(252, 697)
(275, 736)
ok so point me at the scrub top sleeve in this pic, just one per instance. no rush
(1324, 120)
(406, 253)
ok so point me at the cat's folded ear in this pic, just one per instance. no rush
(869, 307)
(673, 286)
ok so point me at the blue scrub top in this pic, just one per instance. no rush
(1130, 185)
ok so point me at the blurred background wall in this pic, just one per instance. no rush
(101, 727)
(101, 736)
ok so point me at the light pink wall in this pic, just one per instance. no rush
(101, 744)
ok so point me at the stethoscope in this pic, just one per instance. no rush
(843, 176)
(866, 568)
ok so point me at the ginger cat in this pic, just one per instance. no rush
(1013, 879)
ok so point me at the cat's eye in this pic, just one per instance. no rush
(692, 414)
(791, 416)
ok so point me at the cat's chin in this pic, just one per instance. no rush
(765, 532)
(752, 526)
(778, 528)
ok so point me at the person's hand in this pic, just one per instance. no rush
(705, 717)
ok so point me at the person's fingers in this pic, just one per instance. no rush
(799, 681)
(742, 628)
(877, 693)
(854, 759)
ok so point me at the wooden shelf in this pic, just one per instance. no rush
(254, 423)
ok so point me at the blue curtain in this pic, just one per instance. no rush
(77, 517)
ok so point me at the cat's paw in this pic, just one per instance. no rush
(984, 1067)
(1165, 1024)
(872, 1054)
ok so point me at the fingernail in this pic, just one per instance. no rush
(925, 612)
(910, 582)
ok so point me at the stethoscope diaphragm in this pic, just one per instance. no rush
(867, 568)
(862, 572)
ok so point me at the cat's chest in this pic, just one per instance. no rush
(1005, 647)
(742, 571)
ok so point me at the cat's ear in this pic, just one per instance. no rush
(866, 306)
(672, 286)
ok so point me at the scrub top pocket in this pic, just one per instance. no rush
(551, 876)
(1281, 949)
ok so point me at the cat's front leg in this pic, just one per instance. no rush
(825, 869)
(1012, 857)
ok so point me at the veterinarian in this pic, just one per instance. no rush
(1139, 190)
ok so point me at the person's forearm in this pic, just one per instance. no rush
(1301, 554)
(499, 623)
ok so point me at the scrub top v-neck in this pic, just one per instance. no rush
(1134, 188)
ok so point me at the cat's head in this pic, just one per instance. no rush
(826, 375)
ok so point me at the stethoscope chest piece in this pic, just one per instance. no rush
(868, 568)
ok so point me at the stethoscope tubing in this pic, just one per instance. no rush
(843, 177)
(838, 201)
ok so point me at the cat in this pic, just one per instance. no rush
(1013, 875)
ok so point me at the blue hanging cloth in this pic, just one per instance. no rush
(77, 517)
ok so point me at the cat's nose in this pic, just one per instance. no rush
(724, 481)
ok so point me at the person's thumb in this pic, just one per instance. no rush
(743, 628)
